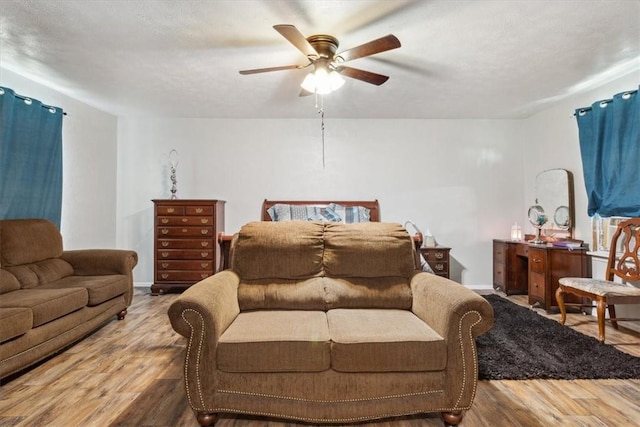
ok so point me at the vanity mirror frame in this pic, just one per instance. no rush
(550, 193)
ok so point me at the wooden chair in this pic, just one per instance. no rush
(624, 264)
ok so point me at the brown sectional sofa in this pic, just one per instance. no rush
(328, 323)
(50, 298)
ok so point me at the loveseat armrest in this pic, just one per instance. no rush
(201, 314)
(459, 315)
(98, 262)
(213, 301)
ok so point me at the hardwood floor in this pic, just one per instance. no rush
(129, 374)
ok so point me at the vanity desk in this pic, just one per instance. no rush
(524, 268)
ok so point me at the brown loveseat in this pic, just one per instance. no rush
(50, 298)
(328, 323)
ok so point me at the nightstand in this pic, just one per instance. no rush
(438, 258)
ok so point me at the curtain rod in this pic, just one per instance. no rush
(625, 95)
(49, 107)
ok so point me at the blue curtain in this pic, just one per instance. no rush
(30, 158)
(609, 134)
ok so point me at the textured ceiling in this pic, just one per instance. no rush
(459, 59)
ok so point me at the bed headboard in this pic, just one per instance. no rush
(372, 205)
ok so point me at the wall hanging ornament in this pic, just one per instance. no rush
(173, 164)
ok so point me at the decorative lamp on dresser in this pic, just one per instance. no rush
(185, 242)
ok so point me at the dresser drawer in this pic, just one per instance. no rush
(181, 276)
(537, 261)
(185, 220)
(199, 210)
(185, 244)
(499, 274)
(170, 210)
(435, 255)
(499, 252)
(537, 285)
(185, 265)
(439, 267)
(185, 231)
(177, 254)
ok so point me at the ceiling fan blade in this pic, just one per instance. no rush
(365, 76)
(266, 70)
(382, 44)
(305, 92)
(296, 38)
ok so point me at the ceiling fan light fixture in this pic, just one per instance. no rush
(322, 82)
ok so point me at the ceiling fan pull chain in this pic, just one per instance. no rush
(322, 128)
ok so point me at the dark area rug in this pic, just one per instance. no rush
(525, 345)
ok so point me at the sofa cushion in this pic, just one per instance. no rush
(46, 304)
(100, 288)
(373, 340)
(283, 250)
(8, 282)
(40, 273)
(369, 292)
(275, 341)
(282, 294)
(14, 322)
(29, 240)
(370, 249)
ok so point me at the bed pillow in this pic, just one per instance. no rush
(284, 212)
(349, 214)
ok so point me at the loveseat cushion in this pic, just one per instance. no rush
(25, 241)
(371, 249)
(284, 250)
(282, 294)
(370, 292)
(8, 282)
(41, 272)
(374, 340)
(46, 304)
(100, 288)
(275, 341)
(14, 322)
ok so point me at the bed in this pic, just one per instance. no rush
(364, 210)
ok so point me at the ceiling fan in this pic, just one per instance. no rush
(320, 50)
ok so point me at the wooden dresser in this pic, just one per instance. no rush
(438, 259)
(522, 268)
(185, 242)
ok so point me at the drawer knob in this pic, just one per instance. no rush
(164, 276)
(204, 264)
(204, 231)
(439, 267)
(165, 244)
(204, 220)
(165, 254)
(439, 255)
(165, 264)
(184, 230)
(164, 220)
(184, 220)
(171, 210)
(204, 254)
(199, 210)
(204, 244)
(537, 260)
(204, 275)
(164, 231)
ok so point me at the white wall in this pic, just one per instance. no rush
(462, 179)
(89, 166)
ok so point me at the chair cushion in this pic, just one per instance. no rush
(25, 241)
(276, 341)
(100, 288)
(46, 304)
(14, 322)
(600, 287)
(378, 340)
(282, 250)
(370, 249)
